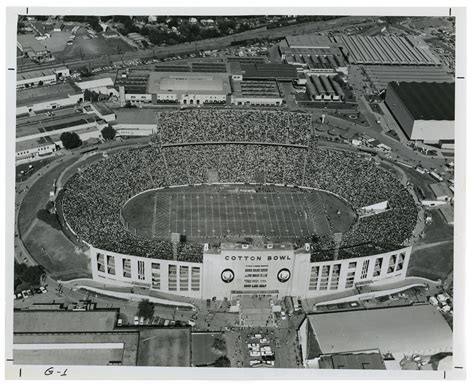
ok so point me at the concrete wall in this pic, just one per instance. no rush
(249, 269)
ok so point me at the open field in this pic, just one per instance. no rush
(228, 212)
(57, 254)
(38, 194)
(434, 262)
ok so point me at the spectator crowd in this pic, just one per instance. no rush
(221, 125)
(94, 196)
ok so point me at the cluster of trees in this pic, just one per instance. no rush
(29, 274)
(108, 133)
(49, 217)
(146, 309)
(70, 140)
(93, 21)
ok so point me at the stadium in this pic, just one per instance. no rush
(225, 202)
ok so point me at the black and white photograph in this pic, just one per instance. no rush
(248, 191)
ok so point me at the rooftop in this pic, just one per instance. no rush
(136, 116)
(309, 41)
(46, 93)
(101, 82)
(47, 124)
(441, 189)
(97, 348)
(267, 70)
(25, 321)
(192, 82)
(33, 143)
(427, 100)
(412, 329)
(353, 361)
(28, 41)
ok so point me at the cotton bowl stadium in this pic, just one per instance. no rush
(229, 202)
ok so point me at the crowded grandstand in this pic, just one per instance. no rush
(269, 152)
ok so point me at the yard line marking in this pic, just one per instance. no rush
(276, 215)
(284, 212)
(233, 215)
(255, 216)
(219, 201)
(296, 213)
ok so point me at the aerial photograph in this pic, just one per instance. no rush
(241, 191)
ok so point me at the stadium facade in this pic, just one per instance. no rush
(234, 270)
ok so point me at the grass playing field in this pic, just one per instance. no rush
(231, 212)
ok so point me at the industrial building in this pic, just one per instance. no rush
(386, 50)
(94, 337)
(38, 135)
(315, 60)
(324, 88)
(101, 86)
(424, 110)
(256, 93)
(398, 331)
(47, 97)
(191, 88)
(135, 122)
(40, 77)
(32, 48)
(263, 71)
(309, 41)
(381, 76)
(353, 361)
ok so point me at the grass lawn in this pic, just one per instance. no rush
(282, 214)
(38, 195)
(164, 347)
(433, 263)
(438, 230)
(57, 254)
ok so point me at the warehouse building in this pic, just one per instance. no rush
(424, 110)
(184, 88)
(135, 122)
(256, 93)
(381, 76)
(386, 50)
(309, 41)
(324, 88)
(48, 97)
(95, 338)
(32, 48)
(398, 331)
(101, 86)
(40, 77)
(315, 60)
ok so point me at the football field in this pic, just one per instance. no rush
(211, 214)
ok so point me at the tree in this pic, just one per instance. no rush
(146, 309)
(49, 218)
(70, 140)
(222, 361)
(33, 274)
(108, 133)
(219, 344)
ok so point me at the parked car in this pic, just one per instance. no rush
(136, 320)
